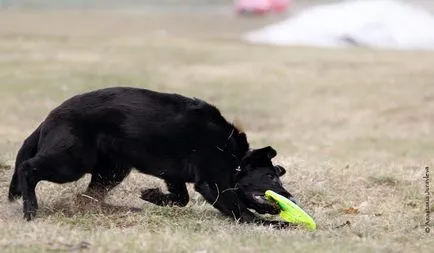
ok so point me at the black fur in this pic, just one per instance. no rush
(178, 139)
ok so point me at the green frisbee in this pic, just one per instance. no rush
(290, 212)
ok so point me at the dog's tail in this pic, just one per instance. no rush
(27, 151)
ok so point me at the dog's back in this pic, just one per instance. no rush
(116, 105)
(143, 128)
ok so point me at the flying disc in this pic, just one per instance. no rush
(290, 212)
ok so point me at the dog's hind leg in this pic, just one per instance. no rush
(58, 168)
(27, 182)
(177, 196)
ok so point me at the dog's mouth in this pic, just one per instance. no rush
(260, 199)
(262, 205)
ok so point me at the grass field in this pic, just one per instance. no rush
(352, 127)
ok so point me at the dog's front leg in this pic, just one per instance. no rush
(177, 196)
(213, 196)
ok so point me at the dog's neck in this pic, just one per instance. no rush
(235, 145)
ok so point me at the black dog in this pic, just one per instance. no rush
(178, 139)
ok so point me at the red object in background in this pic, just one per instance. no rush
(260, 6)
(280, 5)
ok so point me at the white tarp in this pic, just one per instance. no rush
(370, 23)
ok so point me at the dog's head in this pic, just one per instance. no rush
(258, 174)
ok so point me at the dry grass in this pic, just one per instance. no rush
(352, 127)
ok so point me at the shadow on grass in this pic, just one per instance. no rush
(80, 204)
(89, 215)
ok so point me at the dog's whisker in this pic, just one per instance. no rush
(232, 133)
(230, 189)
(218, 195)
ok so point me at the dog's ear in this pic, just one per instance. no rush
(259, 156)
(271, 152)
(280, 171)
(266, 152)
